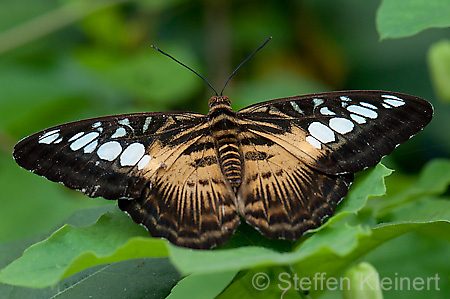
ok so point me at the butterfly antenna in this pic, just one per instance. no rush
(221, 92)
(179, 62)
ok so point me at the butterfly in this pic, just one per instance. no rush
(282, 165)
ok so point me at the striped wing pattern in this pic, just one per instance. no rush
(301, 152)
(339, 132)
(281, 196)
(190, 203)
(282, 165)
(112, 157)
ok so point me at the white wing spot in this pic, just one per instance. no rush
(393, 100)
(314, 142)
(120, 132)
(58, 141)
(90, 147)
(132, 154)
(368, 105)
(362, 111)
(317, 102)
(389, 96)
(79, 143)
(345, 99)
(109, 150)
(394, 103)
(359, 119)
(341, 125)
(296, 107)
(144, 161)
(76, 136)
(96, 125)
(49, 137)
(50, 133)
(126, 122)
(147, 122)
(321, 132)
(326, 111)
(386, 106)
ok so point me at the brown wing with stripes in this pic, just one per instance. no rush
(106, 156)
(339, 132)
(190, 203)
(282, 196)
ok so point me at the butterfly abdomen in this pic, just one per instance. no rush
(224, 130)
(230, 157)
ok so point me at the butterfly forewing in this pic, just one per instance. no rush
(339, 132)
(113, 157)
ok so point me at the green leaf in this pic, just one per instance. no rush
(428, 208)
(71, 249)
(330, 251)
(434, 179)
(401, 18)
(136, 278)
(439, 65)
(202, 285)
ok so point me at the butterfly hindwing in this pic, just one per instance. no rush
(281, 196)
(113, 157)
(190, 203)
(339, 132)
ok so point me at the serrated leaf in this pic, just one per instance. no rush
(434, 179)
(401, 18)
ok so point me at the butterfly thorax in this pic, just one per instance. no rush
(224, 130)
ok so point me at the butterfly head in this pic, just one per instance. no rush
(219, 100)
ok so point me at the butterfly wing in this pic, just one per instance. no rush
(339, 132)
(114, 156)
(300, 152)
(161, 166)
(282, 196)
(190, 203)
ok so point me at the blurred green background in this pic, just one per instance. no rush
(67, 60)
